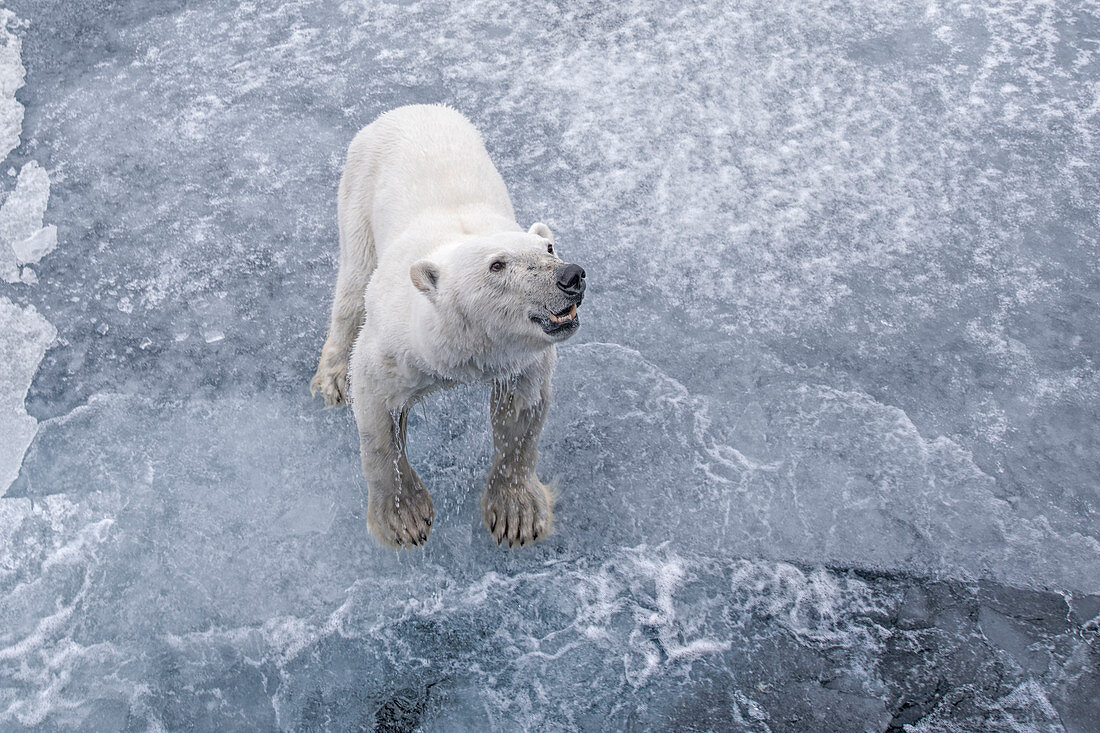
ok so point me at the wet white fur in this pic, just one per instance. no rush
(422, 214)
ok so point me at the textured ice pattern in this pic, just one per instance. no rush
(828, 442)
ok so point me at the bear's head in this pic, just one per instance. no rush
(506, 287)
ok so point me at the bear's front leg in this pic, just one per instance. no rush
(516, 506)
(399, 508)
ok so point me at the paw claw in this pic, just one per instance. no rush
(519, 512)
(404, 523)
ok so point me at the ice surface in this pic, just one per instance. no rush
(23, 239)
(11, 78)
(21, 216)
(11, 118)
(24, 337)
(827, 443)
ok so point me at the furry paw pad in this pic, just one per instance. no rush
(518, 514)
(332, 383)
(403, 519)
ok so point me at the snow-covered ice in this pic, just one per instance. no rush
(26, 335)
(23, 239)
(827, 442)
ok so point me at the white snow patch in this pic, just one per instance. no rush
(36, 246)
(11, 116)
(24, 334)
(11, 79)
(23, 238)
(24, 337)
(21, 216)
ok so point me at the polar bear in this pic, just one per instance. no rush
(438, 285)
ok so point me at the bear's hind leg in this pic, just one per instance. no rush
(516, 506)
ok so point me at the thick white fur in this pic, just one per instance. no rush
(423, 213)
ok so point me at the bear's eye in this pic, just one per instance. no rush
(550, 249)
(497, 266)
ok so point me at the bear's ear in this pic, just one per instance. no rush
(425, 276)
(542, 230)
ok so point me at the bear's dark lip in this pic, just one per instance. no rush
(565, 310)
(550, 327)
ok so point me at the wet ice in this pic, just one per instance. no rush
(826, 444)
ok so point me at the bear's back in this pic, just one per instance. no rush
(426, 160)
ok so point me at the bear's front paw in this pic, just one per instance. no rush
(332, 382)
(403, 518)
(518, 512)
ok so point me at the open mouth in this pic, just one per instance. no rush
(556, 322)
(564, 316)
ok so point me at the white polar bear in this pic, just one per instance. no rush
(438, 285)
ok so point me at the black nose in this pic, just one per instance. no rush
(571, 279)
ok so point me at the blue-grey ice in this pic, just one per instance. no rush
(827, 444)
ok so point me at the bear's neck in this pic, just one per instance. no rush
(454, 351)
